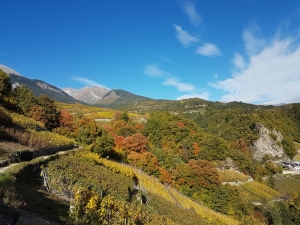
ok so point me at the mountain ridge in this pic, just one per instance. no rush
(103, 97)
(8, 70)
(87, 94)
(95, 95)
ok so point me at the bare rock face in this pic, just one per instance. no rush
(268, 143)
(227, 164)
(90, 95)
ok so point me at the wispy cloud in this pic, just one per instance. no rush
(238, 61)
(155, 71)
(184, 37)
(253, 44)
(164, 58)
(179, 85)
(190, 10)
(270, 76)
(209, 50)
(88, 82)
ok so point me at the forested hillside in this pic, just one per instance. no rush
(161, 162)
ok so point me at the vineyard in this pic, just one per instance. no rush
(232, 176)
(289, 186)
(152, 185)
(91, 112)
(261, 191)
(26, 122)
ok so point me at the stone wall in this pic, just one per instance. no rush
(28, 155)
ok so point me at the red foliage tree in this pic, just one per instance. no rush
(38, 113)
(139, 127)
(108, 128)
(179, 124)
(165, 176)
(243, 146)
(119, 141)
(196, 149)
(65, 118)
(197, 174)
(145, 160)
(137, 143)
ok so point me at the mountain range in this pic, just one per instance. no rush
(103, 97)
(89, 95)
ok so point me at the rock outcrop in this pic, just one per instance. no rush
(268, 143)
(227, 164)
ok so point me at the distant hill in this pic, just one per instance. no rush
(38, 87)
(118, 97)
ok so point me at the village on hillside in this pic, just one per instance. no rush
(292, 167)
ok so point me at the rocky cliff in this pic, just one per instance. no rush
(268, 143)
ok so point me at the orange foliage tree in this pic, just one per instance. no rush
(137, 143)
(165, 176)
(203, 174)
(195, 176)
(145, 160)
(65, 118)
(38, 113)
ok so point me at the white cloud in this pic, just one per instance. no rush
(88, 82)
(238, 61)
(216, 75)
(208, 49)
(154, 70)
(179, 85)
(169, 80)
(164, 58)
(204, 95)
(271, 76)
(184, 37)
(253, 44)
(190, 10)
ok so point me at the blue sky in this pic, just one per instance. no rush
(229, 50)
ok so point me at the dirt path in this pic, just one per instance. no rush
(27, 217)
(30, 218)
(2, 169)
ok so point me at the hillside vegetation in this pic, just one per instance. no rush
(165, 162)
